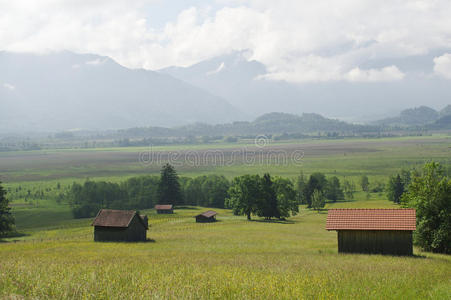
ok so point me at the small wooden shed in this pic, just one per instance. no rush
(164, 209)
(376, 231)
(205, 217)
(120, 225)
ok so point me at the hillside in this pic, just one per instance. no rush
(418, 116)
(61, 91)
(270, 124)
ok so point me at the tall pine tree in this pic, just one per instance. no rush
(268, 208)
(6, 219)
(169, 191)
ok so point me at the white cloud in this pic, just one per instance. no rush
(299, 41)
(9, 86)
(442, 65)
(390, 73)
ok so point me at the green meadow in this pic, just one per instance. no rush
(55, 256)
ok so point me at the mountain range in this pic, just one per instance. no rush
(242, 82)
(64, 91)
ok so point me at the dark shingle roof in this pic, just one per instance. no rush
(163, 206)
(116, 218)
(371, 219)
(208, 214)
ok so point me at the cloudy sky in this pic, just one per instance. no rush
(298, 41)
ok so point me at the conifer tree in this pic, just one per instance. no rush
(169, 191)
(6, 219)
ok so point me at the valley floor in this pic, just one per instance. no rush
(230, 259)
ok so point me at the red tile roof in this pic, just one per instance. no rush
(163, 206)
(116, 218)
(371, 219)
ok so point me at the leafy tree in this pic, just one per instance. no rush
(318, 200)
(430, 195)
(214, 189)
(209, 191)
(364, 183)
(334, 191)
(286, 198)
(6, 218)
(317, 181)
(377, 187)
(245, 195)
(395, 188)
(135, 193)
(193, 194)
(169, 191)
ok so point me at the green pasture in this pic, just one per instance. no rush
(230, 259)
(55, 256)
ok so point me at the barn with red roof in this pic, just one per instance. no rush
(375, 231)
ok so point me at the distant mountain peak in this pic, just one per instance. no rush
(63, 90)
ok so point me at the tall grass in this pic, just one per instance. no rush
(231, 259)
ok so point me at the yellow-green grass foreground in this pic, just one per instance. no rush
(230, 259)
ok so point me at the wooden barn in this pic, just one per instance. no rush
(164, 209)
(120, 225)
(205, 217)
(376, 231)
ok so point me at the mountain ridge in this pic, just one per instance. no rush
(66, 90)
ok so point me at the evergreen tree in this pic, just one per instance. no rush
(268, 206)
(317, 181)
(348, 188)
(395, 188)
(169, 191)
(333, 190)
(286, 197)
(6, 218)
(300, 189)
(364, 183)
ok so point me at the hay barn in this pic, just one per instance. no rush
(164, 209)
(120, 225)
(205, 217)
(375, 231)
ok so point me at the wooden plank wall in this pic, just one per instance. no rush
(376, 242)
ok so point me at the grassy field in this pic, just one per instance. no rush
(233, 258)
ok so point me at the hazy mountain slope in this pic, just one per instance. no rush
(272, 123)
(236, 79)
(65, 90)
(444, 123)
(417, 116)
(446, 111)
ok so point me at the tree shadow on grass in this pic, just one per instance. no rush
(341, 201)
(11, 235)
(276, 221)
(186, 207)
(320, 211)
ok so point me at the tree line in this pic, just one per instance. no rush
(269, 197)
